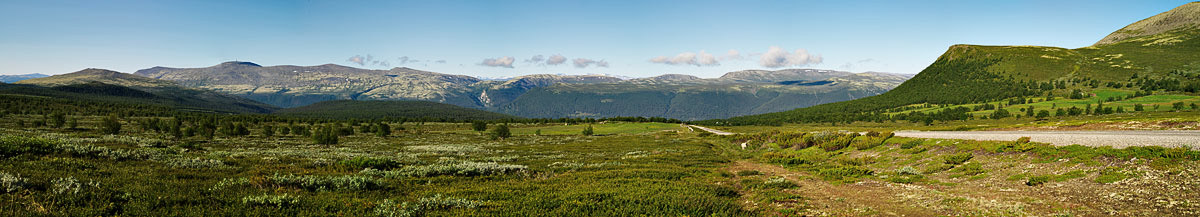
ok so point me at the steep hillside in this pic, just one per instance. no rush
(106, 85)
(1186, 16)
(390, 109)
(1167, 61)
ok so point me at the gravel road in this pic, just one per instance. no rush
(1116, 139)
(718, 132)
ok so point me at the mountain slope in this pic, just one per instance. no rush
(290, 86)
(110, 85)
(1186, 16)
(414, 110)
(695, 99)
(1168, 61)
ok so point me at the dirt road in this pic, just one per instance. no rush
(1116, 139)
(718, 132)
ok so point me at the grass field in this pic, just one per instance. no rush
(651, 169)
(635, 168)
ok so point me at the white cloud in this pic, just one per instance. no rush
(536, 59)
(556, 60)
(733, 55)
(688, 58)
(584, 63)
(368, 60)
(505, 62)
(776, 57)
(360, 60)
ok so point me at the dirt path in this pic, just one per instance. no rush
(718, 132)
(1116, 139)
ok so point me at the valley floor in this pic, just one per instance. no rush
(654, 169)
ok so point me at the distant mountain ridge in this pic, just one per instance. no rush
(15, 78)
(291, 86)
(106, 83)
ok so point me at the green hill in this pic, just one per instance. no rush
(1165, 62)
(386, 109)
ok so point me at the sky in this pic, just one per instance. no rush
(494, 39)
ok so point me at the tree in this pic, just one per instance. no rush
(1060, 112)
(268, 130)
(1029, 112)
(58, 120)
(588, 131)
(1177, 106)
(1139, 107)
(500, 132)
(324, 135)
(1043, 114)
(383, 130)
(479, 126)
(1001, 113)
(176, 132)
(110, 125)
(73, 123)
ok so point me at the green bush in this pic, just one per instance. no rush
(911, 144)
(279, 201)
(843, 172)
(958, 158)
(358, 163)
(15, 145)
(1037, 180)
(500, 132)
(1110, 175)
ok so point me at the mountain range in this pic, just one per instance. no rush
(15, 78)
(541, 95)
(107, 85)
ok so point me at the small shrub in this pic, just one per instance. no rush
(14, 145)
(195, 163)
(65, 185)
(12, 183)
(589, 131)
(1111, 175)
(779, 183)
(970, 169)
(358, 163)
(911, 144)
(843, 172)
(1037, 180)
(459, 168)
(325, 183)
(499, 132)
(935, 168)
(958, 158)
(279, 201)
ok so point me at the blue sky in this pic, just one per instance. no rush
(627, 38)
